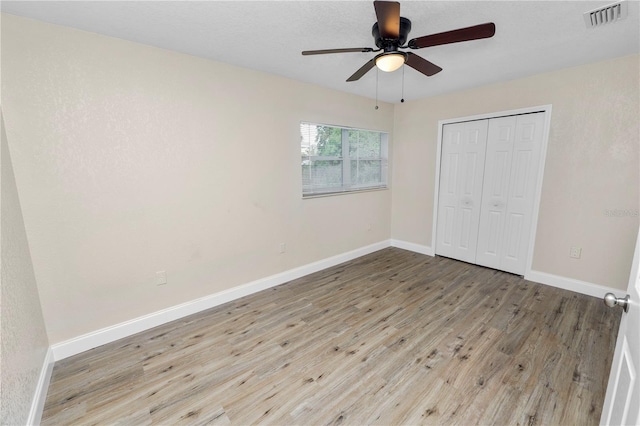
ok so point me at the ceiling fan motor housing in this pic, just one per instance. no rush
(392, 44)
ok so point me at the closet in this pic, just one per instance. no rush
(488, 176)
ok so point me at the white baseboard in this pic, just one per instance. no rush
(106, 335)
(565, 283)
(109, 334)
(418, 248)
(40, 395)
(570, 284)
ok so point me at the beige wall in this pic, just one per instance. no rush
(592, 164)
(24, 338)
(131, 159)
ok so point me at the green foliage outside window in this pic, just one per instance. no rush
(336, 159)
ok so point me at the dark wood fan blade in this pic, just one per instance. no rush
(422, 65)
(388, 13)
(363, 70)
(462, 34)
(325, 51)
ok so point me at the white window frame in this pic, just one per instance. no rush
(347, 186)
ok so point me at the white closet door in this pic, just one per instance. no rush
(511, 173)
(460, 193)
(527, 150)
(495, 191)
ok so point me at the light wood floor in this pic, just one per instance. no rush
(390, 338)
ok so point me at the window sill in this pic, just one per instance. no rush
(351, 191)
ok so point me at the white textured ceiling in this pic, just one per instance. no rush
(531, 37)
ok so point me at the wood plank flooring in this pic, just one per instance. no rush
(390, 338)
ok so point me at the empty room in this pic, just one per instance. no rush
(312, 212)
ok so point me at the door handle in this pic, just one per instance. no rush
(467, 201)
(497, 203)
(611, 300)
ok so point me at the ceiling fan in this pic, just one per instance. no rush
(390, 35)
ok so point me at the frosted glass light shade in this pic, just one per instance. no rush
(390, 62)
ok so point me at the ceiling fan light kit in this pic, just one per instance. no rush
(390, 34)
(391, 61)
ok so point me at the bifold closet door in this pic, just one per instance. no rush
(495, 189)
(461, 175)
(511, 173)
(488, 177)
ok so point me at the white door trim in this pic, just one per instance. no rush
(546, 109)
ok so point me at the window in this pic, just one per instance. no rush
(341, 159)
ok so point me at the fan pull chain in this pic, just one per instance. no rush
(402, 99)
(376, 87)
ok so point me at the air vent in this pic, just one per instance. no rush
(606, 14)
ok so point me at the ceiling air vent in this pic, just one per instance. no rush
(606, 14)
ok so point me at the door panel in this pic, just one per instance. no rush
(495, 219)
(447, 196)
(522, 172)
(501, 136)
(465, 232)
(501, 166)
(461, 177)
(452, 173)
(513, 235)
(624, 387)
(470, 174)
(448, 226)
(622, 400)
(527, 148)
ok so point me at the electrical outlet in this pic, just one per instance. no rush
(575, 252)
(161, 277)
(283, 247)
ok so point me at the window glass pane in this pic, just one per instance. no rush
(329, 141)
(339, 159)
(322, 174)
(364, 144)
(307, 139)
(306, 174)
(323, 141)
(366, 172)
